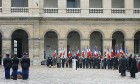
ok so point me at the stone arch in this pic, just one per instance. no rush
(97, 30)
(29, 35)
(96, 39)
(118, 40)
(79, 32)
(52, 30)
(73, 41)
(50, 43)
(137, 42)
(120, 30)
(19, 42)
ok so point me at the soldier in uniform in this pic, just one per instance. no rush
(15, 62)
(25, 64)
(7, 63)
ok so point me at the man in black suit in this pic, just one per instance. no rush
(25, 64)
(133, 67)
(122, 65)
(7, 63)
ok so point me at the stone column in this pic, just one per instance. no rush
(31, 50)
(62, 5)
(107, 43)
(129, 5)
(6, 46)
(84, 5)
(129, 43)
(41, 50)
(62, 43)
(85, 43)
(107, 6)
(6, 6)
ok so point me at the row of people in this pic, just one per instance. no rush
(13, 63)
(89, 62)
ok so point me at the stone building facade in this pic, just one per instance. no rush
(38, 26)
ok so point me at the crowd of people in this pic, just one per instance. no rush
(122, 64)
(13, 63)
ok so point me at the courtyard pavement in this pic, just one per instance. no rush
(44, 75)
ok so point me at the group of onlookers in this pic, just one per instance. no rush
(13, 63)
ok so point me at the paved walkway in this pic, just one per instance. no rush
(44, 75)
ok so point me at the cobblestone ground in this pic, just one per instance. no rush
(44, 75)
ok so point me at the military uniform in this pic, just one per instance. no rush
(15, 62)
(7, 63)
(25, 64)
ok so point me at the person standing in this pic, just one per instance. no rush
(25, 64)
(58, 60)
(15, 62)
(63, 62)
(49, 61)
(0, 59)
(122, 65)
(133, 67)
(7, 63)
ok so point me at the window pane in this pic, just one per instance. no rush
(0, 3)
(51, 3)
(95, 3)
(117, 3)
(136, 3)
(15, 49)
(15, 52)
(73, 3)
(15, 45)
(19, 3)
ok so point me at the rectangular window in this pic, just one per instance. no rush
(51, 3)
(19, 3)
(73, 3)
(117, 3)
(15, 46)
(0, 3)
(136, 3)
(95, 3)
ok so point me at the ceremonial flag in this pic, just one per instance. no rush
(95, 51)
(126, 52)
(69, 53)
(54, 53)
(60, 52)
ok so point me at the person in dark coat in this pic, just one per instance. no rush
(49, 61)
(63, 62)
(25, 64)
(70, 62)
(84, 62)
(133, 67)
(58, 60)
(122, 66)
(0, 59)
(15, 62)
(115, 63)
(7, 63)
(129, 62)
(104, 63)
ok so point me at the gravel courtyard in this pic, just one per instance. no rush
(44, 75)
